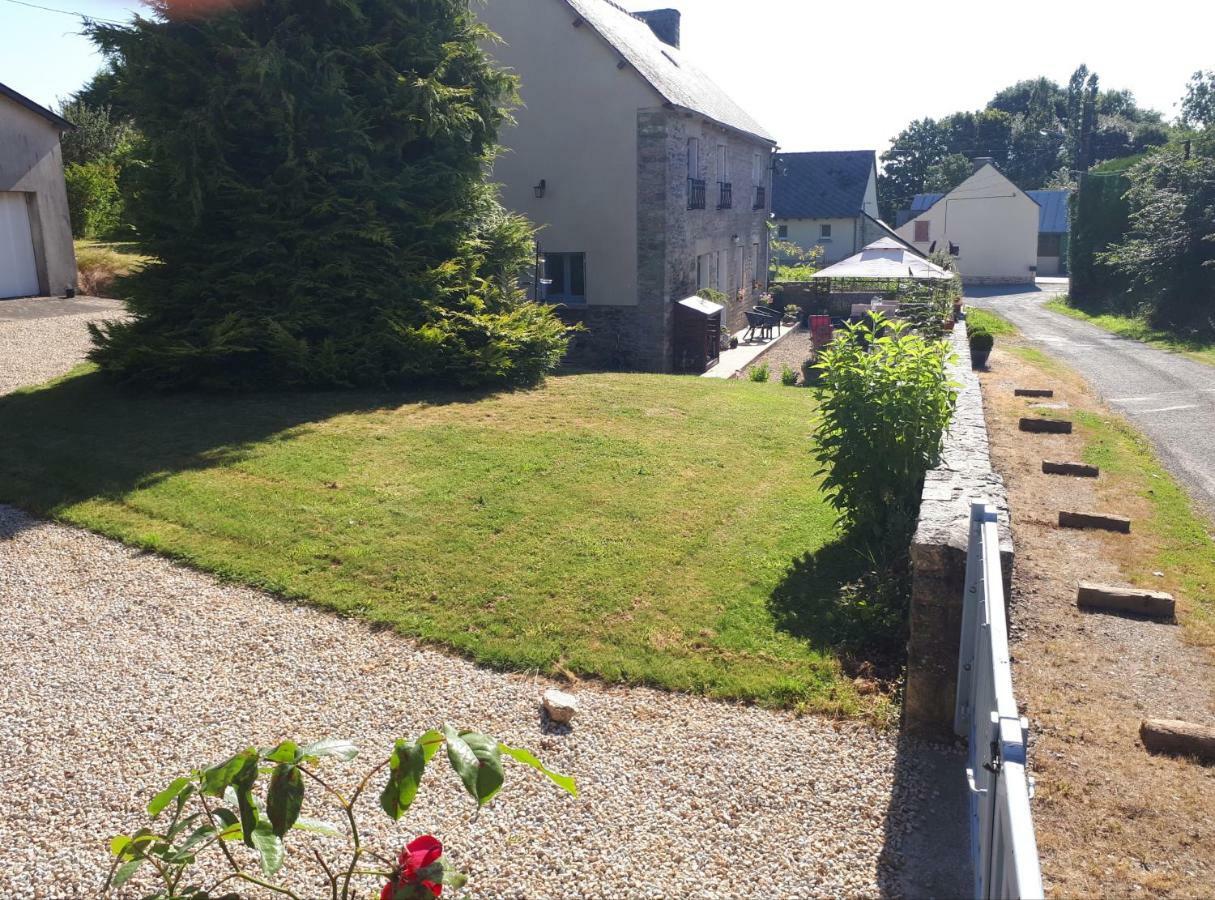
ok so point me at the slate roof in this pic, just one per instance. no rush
(821, 185)
(666, 69)
(21, 100)
(1053, 214)
(1054, 217)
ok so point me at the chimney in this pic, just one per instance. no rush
(664, 23)
(981, 161)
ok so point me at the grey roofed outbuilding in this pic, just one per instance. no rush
(1053, 210)
(664, 67)
(21, 100)
(827, 184)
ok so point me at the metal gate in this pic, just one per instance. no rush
(1003, 847)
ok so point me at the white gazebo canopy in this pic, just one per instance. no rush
(885, 259)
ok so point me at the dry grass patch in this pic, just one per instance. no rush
(1112, 820)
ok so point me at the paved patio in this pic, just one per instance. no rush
(734, 361)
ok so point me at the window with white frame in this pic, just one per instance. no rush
(757, 169)
(566, 274)
(824, 232)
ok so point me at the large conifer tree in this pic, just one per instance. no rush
(315, 195)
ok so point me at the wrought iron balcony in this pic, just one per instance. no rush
(761, 198)
(726, 199)
(696, 193)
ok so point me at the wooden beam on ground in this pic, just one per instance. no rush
(1178, 738)
(1046, 426)
(1094, 520)
(1156, 604)
(1033, 392)
(1078, 470)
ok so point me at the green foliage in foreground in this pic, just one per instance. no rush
(886, 400)
(639, 528)
(314, 197)
(1196, 345)
(214, 810)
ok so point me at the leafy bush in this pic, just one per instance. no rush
(981, 339)
(315, 200)
(94, 201)
(883, 412)
(1168, 252)
(218, 808)
(788, 376)
(760, 373)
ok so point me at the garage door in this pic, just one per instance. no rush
(18, 274)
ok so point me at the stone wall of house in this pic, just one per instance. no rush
(938, 555)
(612, 338)
(675, 244)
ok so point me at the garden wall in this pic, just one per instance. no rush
(938, 554)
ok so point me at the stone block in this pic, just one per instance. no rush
(1156, 604)
(1076, 470)
(1046, 426)
(1098, 521)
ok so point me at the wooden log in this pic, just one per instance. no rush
(1046, 426)
(1094, 520)
(1157, 604)
(1078, 470)
(1178, 738)
(1033, 392)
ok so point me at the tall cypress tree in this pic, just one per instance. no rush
(315, 196)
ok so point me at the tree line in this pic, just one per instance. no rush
(1039, 133)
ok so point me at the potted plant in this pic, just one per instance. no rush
(981, 342)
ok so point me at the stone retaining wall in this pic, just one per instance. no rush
(938, 554)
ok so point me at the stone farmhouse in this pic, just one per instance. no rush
(647, 182)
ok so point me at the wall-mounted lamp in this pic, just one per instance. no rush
(540, 188)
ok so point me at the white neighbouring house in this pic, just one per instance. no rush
(988, 223)
(646, 181)
(37, 256)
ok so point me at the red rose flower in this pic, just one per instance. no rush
(417, 855)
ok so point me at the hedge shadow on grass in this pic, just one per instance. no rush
(138, 438)
(840, 599)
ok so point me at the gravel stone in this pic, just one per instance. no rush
(120, 670)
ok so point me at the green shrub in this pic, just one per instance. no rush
(760, 373)
(94, 201)
(313, 192)
(883, 413)
(981, 339)
(788, 376)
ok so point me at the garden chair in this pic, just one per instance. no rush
(758, 323)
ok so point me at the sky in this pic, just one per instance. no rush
(819, 75)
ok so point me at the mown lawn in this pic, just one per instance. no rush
(1140, 330)
(637, 528)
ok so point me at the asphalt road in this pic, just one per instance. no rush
(1169, 397)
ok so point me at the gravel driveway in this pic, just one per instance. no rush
(120, 670)
(1169, 397)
